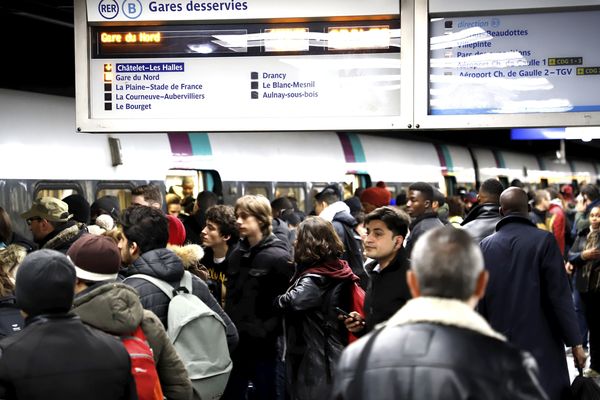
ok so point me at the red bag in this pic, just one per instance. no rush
(358, 305)
(143, 368)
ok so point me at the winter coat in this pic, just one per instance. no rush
(436, 349)
(63, 236)
(165, 265)
(315, 337)
(586, 272)
(528, 298)
(284, 233)
(387, 291)
(116, 309)
(11, 319)
(255, 277)
(419, 226)
(10, 259)
(57, 357)
(481, 221)
(558, 224)
(190, 255)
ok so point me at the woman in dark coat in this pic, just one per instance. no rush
(315, 337)
(585, 257)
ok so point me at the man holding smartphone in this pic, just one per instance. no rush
(387, 291)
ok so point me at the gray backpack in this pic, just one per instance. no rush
(198, 334)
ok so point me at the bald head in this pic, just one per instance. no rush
(514, 201)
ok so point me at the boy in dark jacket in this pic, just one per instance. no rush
(259, 270)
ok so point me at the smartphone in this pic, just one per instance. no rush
(346, 314)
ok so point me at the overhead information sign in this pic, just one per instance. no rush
(512, 64)
(190, 65)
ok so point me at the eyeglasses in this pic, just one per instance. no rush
(30, 220)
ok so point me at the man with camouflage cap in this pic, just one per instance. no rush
(51, 225)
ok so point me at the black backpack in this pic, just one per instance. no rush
(354, 254)
(11, 320)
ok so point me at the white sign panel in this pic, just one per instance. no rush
(292, 86)
(203, 10)
(276, 74)
(528, 63)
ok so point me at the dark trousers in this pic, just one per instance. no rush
(580, 312)
(591, 301)
(259, 374)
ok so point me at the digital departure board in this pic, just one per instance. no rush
(251, 65)
(515, 64)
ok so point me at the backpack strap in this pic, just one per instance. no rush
(159, 283)
(357, 384)
(185, 283)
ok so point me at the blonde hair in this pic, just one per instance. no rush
(259, 207)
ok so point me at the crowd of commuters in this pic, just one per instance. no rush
(474, 295)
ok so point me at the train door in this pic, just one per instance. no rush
(451, 185)
(504, 180)
(179, 181)
(355, 180)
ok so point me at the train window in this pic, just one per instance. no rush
(297, 192)
(122, 194)
(57, 189)
(257, 190)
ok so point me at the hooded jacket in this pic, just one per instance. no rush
(481, 221)
(255, 277)
(165, 265)
(115, 308)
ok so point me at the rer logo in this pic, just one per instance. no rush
(108, 9)
(132, 8)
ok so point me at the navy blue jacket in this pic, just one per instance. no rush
(528, 298)
(164, 264)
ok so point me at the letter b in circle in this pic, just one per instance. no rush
(132, 8)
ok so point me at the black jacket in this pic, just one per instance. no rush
(436, 349)
(481, 221)
(315, 337)
(58, 357)
(419, 226)
(63, 236)
(387, 291)
(165, 265)
(255, 277)
(344, 224)
(435, 362)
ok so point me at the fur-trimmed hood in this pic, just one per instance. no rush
(190, 254)
(442, 311)
(64, 238)
(10, 258)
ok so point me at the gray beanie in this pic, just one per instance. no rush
(45, 283)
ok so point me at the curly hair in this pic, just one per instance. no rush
(146, 226)
(224, 217)
(316, 241)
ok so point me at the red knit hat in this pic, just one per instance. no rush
(376, 195)
(176, 231)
